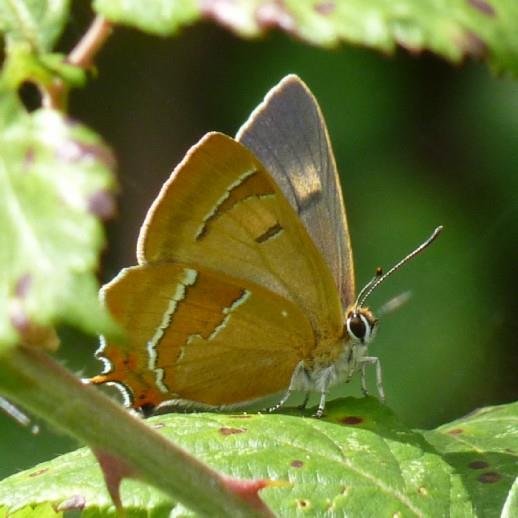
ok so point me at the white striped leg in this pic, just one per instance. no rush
(372, 360)
(299, 379)
(281, 402)
(321, 405)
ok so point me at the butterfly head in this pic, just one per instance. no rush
(361, 324)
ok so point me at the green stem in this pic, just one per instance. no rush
(32, 379)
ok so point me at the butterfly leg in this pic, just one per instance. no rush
(372, 360)
(302, 406)
(281, 402)
(325, 381)
(321, 405)
(299, 381)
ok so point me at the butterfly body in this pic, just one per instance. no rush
(244, 286)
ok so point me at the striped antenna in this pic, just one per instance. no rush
(380, 276)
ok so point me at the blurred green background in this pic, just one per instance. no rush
(418, 143)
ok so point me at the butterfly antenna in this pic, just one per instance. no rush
(379, 273)
(380, 277)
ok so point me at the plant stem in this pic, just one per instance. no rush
(82, 55)
(33, 379)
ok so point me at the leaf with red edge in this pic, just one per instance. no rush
(455, 30)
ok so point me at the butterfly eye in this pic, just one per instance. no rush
(359, 326)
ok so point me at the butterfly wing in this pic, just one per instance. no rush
(287, 132)
(190, 332)
(221, 210)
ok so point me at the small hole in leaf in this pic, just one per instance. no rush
(303, 503)
(30, 96)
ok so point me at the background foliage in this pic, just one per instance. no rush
(418, 143)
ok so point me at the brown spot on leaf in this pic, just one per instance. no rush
(75, 502)
(38, 473)
(422, 491)
(351, 420)
(483, 6)
(227, 430)
(101, 204)
(490, 477)
(478, 464)
(296, 464)
(23, 285)
(302, 503)
(456, 431)
(472, 45)
(325, 8)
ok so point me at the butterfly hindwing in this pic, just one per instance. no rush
(188, 331)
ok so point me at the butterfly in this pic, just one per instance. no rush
(245, 285)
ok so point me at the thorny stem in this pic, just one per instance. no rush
(82, 55)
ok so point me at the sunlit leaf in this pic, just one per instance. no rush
(483, 447)
(55, 184)
(36, 22)
(454, 29)
(361, 462)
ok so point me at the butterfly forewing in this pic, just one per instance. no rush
(287, 132)
(188, 331)
(221, 210)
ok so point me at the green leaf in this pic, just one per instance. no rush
(510, 509)
(361, 461)
(37, 511)
(55, 183)
(454, 29)
(36, 22)
(162, 17)
(483, 447)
